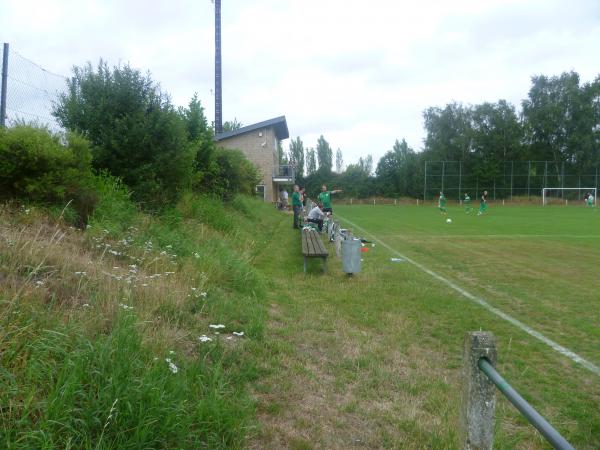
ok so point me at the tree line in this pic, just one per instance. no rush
(559, 121)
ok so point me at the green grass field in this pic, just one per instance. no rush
(374, 360)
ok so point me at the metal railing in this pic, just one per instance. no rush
(286, 171)
(534, 418)
(479, 397)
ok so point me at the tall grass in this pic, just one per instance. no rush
(90, 318)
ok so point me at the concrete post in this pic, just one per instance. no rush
(478, 401)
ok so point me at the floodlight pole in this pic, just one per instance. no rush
(218, 71)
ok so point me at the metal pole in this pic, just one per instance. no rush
(528, 177)
(512, 170)
(4, 83)
(562, 180)
(218, 72)
(443, 173)
(494, 188)
(425, 183)
(459, 179)
(547, 430)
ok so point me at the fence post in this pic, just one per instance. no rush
(425, 183)
(4, 87)
(459, 180)
(478, 401)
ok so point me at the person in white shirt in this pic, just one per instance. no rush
(284, 199)
(316, 215)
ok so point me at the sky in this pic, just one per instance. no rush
(360, 73)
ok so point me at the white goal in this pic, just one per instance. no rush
(566, 195)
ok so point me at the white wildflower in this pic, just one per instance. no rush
(125, 307)
(82, 274)
(204, 338)
(217, 326)
(238, 333)
(86, 305)
(172, 367)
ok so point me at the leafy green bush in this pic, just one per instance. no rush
(232, 174)
(136, 133)
(37, 166)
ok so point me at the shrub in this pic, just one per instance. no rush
(234, 174)
(38, 166)
(136, 133)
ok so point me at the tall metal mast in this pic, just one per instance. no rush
(218, 74)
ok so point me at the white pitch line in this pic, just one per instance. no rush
(527, 329)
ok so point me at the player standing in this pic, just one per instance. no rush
(467, 203)
(325, 198)
(590, 200)
(442, 203)
(483, 203)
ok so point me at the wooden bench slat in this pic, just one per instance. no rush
(312, 245)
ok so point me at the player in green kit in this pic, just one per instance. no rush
(483, 203)
(325, 198)
(442, 204)
(467, 203)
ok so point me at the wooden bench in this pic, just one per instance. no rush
(312, 247)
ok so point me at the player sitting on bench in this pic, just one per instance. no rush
(316, 215)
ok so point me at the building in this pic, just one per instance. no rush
(259, 142)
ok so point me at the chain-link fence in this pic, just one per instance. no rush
(31, 91)
(513, 179)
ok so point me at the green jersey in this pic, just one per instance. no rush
(325, 198)
(467, 200)
(296, 199)
(442, 202)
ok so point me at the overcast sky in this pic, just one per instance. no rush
(360, 73)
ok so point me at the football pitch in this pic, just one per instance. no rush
(532, 272)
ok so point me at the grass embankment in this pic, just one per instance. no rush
(331, 362)
(374, 361)
(106, 339)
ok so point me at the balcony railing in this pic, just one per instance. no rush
(284, 173)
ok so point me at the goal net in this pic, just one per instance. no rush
(565, 196)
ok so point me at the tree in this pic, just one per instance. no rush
(496, 137)
(134, 130)
(311, 163)
(297, 155)
(324, 155)
(366, 164)
(560, 121)
(396, 171)
(339, 161)
(448, 132)
(232, 125)
(195, 120)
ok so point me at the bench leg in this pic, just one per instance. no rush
(305, 264)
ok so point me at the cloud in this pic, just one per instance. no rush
(359, 73)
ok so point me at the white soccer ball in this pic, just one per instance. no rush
(448, 220)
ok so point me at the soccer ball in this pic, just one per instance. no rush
(448, 220)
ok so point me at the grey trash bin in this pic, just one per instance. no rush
(351, 255)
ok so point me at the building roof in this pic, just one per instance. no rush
(278, 123)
